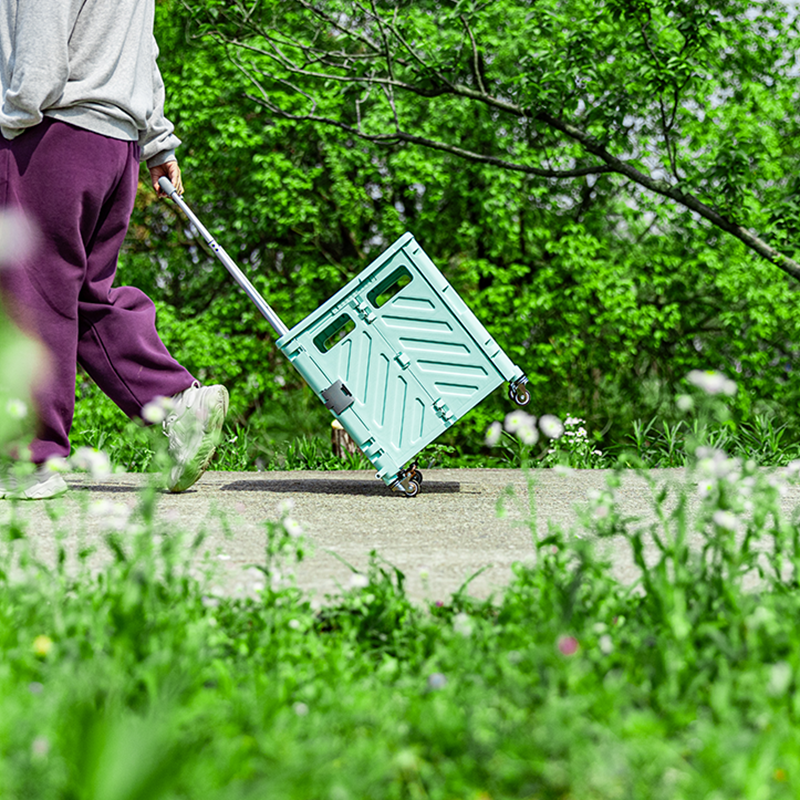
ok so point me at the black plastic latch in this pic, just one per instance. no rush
(337, 397)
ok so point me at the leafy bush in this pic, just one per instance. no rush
(605, 297)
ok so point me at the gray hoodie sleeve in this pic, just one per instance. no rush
(157, 141)
(91, 63)
(41, 68)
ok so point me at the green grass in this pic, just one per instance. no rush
(138, 681)
(295, 434)
(133, 448)
(653, 444)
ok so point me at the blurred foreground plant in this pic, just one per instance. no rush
(131, 668)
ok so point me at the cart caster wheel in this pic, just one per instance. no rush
(519, 394)
(408, 482)
(413, 486)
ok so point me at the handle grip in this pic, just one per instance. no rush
(166, 186)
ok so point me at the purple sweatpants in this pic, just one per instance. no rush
(78, 188)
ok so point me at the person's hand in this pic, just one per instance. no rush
(169, 170)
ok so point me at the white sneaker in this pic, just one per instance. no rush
(40, 485)
(193, 427)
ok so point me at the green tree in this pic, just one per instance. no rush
(695, 102)
(606, 293)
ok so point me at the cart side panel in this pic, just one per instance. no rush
(391, 417)
(466, 318)
(431, 336)
(397, 356)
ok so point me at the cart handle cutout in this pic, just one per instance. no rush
(330, 336)
(389, 287)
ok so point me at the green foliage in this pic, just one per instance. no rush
(655, 443)
(21, 359)
(126, 675)
(606, 296)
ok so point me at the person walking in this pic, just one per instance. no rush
(82, 105)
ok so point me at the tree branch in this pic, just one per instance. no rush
(290, 66)
(387, 54)
(402, 136)
(788, 265)
(335, 67)
(476, 68)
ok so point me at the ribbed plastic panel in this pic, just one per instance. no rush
(411, 357)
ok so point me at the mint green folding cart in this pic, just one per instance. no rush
(395, 355)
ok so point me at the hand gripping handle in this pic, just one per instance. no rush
(166, 186)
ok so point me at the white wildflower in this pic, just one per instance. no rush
(285, 507)
(778, 484)
(18, 236)
(528, 436)
(780, 678)
(748, 484)
(113, 516)
(301, 709)
(359, 581)
(601, 502)
(712, 382)
(517, 420)
(714, 463)
(292, 526)
(156, 410)
(761, 617)
(100, 508)
(601, 511)
(725, 520)
(57, 464)
(493, 434)
(606, 644)
(16, 409)
(462, 624)
(551, 426)
(93, 461)
(40, 747)
(436, 681)
(793, 468)
(684, 403)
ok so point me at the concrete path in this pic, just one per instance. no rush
(438, 539)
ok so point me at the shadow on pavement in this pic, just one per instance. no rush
(108, 488)
(323, 486)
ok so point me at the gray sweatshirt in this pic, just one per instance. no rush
(91, 63)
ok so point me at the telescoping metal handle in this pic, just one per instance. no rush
(238, 275)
